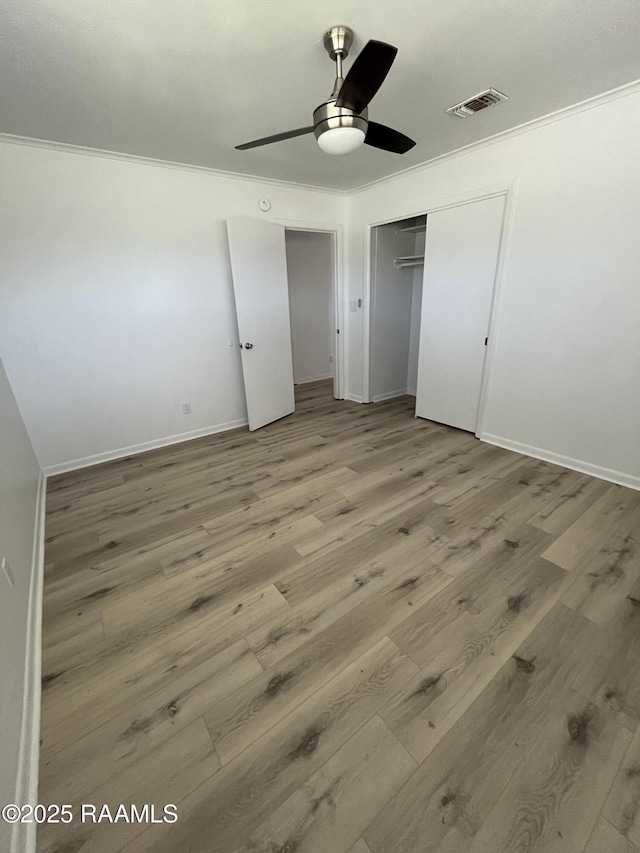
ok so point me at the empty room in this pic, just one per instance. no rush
(319, 427)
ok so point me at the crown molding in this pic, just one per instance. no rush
(558, 115)
(68, 148)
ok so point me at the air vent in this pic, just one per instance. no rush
(478, 102)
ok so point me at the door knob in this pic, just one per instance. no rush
(248, 346)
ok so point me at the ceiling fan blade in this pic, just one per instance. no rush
(267, 140)
(366, 75)
(388, 139)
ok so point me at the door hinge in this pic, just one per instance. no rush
(486, 341)
(337, 331)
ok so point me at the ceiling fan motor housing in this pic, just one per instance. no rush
(327, 117)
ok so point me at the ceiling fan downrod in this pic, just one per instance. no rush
(337, 43)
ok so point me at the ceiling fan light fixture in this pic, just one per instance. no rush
(341, 140)
(341, 124)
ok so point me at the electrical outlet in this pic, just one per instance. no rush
(6, 568)
(186, 408)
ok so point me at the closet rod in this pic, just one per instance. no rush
(408, 261)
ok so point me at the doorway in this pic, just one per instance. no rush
(258, 260)
(311, 257)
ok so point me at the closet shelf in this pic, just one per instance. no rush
(408, 261)
(413, 229)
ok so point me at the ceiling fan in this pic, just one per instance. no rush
(341, 124)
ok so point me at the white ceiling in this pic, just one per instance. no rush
(185, 81)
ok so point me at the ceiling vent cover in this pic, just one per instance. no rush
(478, 102)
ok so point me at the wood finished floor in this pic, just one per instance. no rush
(349, 632)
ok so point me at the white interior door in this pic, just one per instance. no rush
(461, 257)
(259, 270)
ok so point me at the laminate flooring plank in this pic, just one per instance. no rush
(360, 846)
(86, 480)
(606, 839)
(622, 808)
(60, 506)
(448, 799)
(461, 646)
(567, 507)
(90, 590)
(372, 568)
(314, 457)
(151, 549)
(75, 716)
(397, 540)
(442, 450)
(138, 723)
(499, 581)
(467, 478)
(521, 487)
(459, 552)
(243, 718)
(553, 799)
(62, 643)
(610, 575)
(268, 513)
(340, 799)
(588, 534)
(226, 809)
(611, 661)
(128, 531)
(162, 776)
(141, 666)
(363, 513)
(290, 532)
(209, 586)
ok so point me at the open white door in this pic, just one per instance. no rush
(461, 258)
(259, 270)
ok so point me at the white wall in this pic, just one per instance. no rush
(116, 296)
(310, 276)
(19, 489)
(566, 367)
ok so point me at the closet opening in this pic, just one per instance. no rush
(311, 279)
(397, 262)
(432, 286)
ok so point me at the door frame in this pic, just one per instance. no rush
(508, 189)
(338, 278)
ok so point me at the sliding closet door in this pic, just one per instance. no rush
(259, 271)
(461, 257)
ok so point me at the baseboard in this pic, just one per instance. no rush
(313, 379)
(23, 839)
(564, 461)
(380, 398)
(355, 398)
(120, 453)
